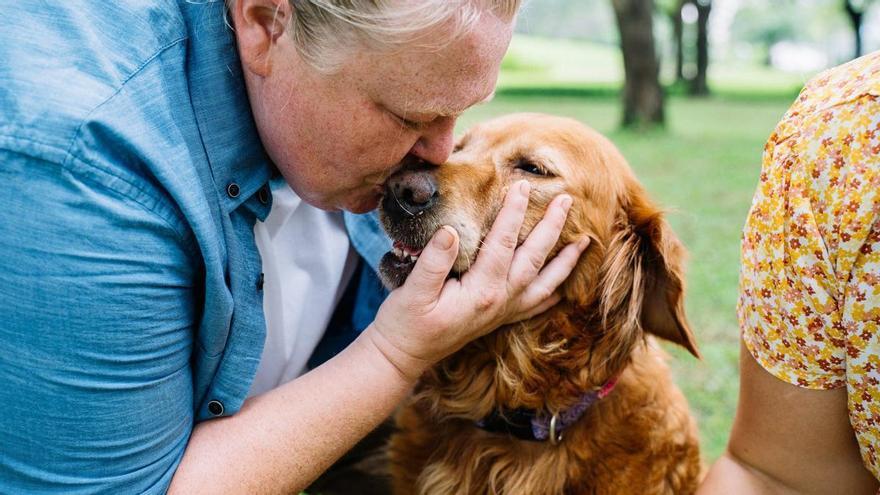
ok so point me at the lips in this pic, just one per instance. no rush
(397, 264)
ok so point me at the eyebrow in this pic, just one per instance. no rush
(444, 111)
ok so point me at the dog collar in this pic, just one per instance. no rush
(538, 426)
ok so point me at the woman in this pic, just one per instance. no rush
(137, 141)
(809, 308)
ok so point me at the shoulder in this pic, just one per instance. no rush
(843, 88)
(64, 59)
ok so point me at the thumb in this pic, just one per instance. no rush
(428, 276)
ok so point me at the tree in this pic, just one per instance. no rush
(698, 85)
(672, 9)
(642, 93)
(856, 9)
(693, 48)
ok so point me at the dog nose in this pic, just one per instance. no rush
(410, 192)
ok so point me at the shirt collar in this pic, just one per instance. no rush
(220, 102)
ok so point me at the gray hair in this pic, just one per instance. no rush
(325, 32)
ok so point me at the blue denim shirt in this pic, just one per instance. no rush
(130, 302)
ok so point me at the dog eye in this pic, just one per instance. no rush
(530, 167)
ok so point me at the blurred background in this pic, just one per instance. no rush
(689, 91)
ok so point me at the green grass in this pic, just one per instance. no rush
(703, 168)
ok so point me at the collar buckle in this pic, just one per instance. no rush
(554, 437)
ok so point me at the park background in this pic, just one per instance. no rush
(737, 67)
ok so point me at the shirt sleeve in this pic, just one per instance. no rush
(96, 316)
(809, 282)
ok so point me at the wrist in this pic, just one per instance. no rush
(408, 367)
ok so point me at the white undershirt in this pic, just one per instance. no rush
(307, 263)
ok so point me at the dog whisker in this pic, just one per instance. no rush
(397, 200)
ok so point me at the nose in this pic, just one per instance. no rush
(410, 192)
(436, 142)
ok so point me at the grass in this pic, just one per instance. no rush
(703, 168)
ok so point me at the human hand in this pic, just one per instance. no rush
(430, 317)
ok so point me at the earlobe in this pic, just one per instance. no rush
(258, 26)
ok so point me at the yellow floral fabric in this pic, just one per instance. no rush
(809, 306)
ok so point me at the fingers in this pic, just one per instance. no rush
(498, 247)
(530, 257)
(426, 279)
(552, 275)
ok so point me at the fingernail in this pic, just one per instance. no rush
(583, 243)
(443, 238)
(524, 187)
(565, 202)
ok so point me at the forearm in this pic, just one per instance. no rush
(730, 477)
(282, 440)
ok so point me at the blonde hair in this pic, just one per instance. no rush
(326, 32)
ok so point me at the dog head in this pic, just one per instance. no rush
(629, 281)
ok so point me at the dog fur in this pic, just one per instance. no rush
(627, 287)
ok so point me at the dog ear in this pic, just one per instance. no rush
(647, 259)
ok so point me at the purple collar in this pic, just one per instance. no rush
(528, 424)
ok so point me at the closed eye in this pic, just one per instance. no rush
(411, 124)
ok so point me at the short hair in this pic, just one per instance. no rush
(325, 31)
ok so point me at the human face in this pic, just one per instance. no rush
(336, 138)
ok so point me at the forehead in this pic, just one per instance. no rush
(445, 80)
(561, 143)
(581, 156)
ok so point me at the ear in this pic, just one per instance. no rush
(660, 260)
(258, 25)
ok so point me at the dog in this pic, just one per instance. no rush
(578, 400)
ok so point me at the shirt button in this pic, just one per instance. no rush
(233, 190)
(263, 195)
(260, 281)
(215, 407)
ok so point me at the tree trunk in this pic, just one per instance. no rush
(699, 86)
(678, 33)
(855, 18)
(642, 94)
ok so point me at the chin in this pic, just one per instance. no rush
(363, 204)
(362, 207)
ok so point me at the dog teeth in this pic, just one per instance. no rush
(403, 253)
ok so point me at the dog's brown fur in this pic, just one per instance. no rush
(641, 439)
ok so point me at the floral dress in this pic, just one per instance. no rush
(809, 306)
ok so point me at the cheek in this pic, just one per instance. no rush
(540, 197)
(539, 200)
(376, 136)
(470, 204)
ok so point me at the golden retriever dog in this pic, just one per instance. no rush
(578, 400)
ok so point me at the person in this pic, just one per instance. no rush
(138, 141)
(809, 303)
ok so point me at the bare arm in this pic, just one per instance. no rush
(282, 440)
(788, 440)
